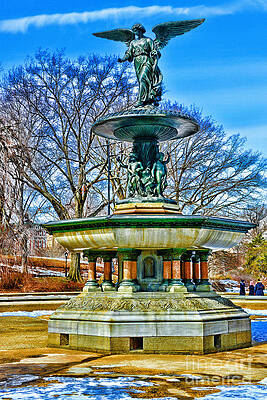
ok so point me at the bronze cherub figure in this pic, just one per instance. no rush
(145, 53)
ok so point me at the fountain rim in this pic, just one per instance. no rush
(181, 125)
(152, 221)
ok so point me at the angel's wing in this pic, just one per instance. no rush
(167, 30)
(119, 35)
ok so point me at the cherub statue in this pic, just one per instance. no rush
(148, 182)
(159, 173)
(144, 51)
(134, 170)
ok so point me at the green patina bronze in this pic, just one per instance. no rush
(146, 169)
(147, 166)
(145, 53)
(164, 221)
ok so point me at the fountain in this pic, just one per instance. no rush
(163, 301)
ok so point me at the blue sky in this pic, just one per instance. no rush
(221, 66)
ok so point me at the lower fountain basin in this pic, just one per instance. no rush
(148, 232)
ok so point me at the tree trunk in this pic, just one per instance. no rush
(75, 271)
(24, 253)
(2, 204)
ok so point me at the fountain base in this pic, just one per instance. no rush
(112, 323)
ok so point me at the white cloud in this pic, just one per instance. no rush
(38, 21)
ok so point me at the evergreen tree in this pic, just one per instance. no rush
(256, 257)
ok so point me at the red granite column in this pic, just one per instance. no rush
(134, 270)
(188, 273)
(91, 284)
(176, 269)
(204, 270)
(176, 284)
(182, 268)
(196, 270)
(107, 284)
(92, 270)
(129, 270)
(204, 284)
(167, 268)
(107, 270)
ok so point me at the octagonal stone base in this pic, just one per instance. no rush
(171, 323)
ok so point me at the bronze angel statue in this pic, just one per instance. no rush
(145, 53)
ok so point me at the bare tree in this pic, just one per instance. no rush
(18, 201)
(52, 102)
(20, 204)
(257, 214)
(118, 153)
(235, 261)
(211, 173)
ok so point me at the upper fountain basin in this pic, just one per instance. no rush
(148, 232)
(145, 123)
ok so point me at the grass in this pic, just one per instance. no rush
(22, 332)
(14, 281)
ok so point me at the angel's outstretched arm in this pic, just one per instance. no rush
(128, 56)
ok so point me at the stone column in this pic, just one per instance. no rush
(129, 270)
(204, 283)
(176, 284)
(91, 284)
(196, 270)
(107, 284)
(188, 273)
(167, 268)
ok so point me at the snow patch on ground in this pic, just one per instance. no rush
(255, 312)
(116, 389)
(17, 380)
(244, 392)
(38, 271)
(32, 314)
(78, 388)
(231, 286)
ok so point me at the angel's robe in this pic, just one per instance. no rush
(147, 71)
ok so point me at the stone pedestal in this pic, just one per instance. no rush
(146, 208)
(189, 323)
